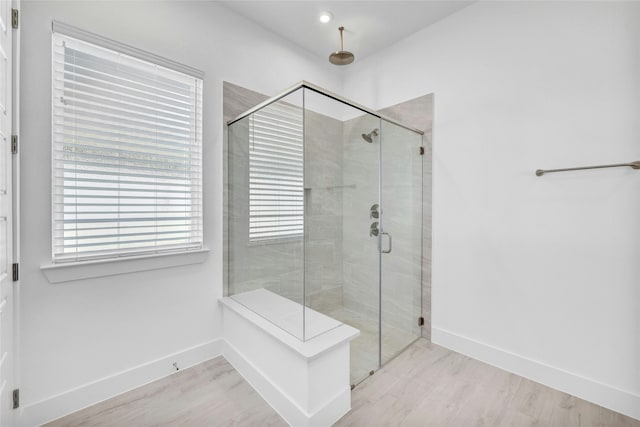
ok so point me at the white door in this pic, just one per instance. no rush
(6, 223)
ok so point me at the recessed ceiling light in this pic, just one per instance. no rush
(325, 17)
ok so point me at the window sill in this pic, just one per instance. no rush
(67, 272)
(281, 241)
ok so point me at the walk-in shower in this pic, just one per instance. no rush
(324, 228)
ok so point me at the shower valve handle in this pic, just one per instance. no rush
(388, 251)
(374, 211)
(373, 230)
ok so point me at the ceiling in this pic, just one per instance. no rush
(369, 25)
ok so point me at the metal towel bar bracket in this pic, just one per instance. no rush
(633, 165)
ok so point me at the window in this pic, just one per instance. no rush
(126, 151)
(276, 173)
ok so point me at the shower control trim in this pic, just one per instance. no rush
(373, 230)
(374, 211)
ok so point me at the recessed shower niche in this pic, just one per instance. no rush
(324, 221)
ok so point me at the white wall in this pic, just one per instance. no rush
(538, 275)
(79, 332)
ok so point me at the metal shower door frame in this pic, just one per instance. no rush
(325, 92)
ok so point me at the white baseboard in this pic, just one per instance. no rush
(624, 402)
(54, 407)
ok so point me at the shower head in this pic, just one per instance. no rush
(369, 136)
(341, 57)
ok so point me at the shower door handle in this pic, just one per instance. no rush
(388, 251)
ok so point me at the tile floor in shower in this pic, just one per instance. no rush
(364, 349)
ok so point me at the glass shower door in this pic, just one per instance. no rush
(401, 239)
(361, 227)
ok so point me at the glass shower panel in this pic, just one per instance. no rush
(266, 213)
(358, 304)
(323, 189)
(336, 200)
(401, 239)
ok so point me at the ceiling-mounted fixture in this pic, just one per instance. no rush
(341, 57)
(326, 17)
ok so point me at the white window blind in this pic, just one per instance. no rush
(276, 173)
(126, 154)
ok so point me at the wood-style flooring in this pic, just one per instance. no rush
(209, 394)
(427, 385)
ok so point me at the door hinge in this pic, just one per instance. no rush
(422, 151)
(16, 398)
(16, 270)
(14, 144)
(15, 18)
(420, 321)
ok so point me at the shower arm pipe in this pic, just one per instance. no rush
(318, 89)
(633, 165)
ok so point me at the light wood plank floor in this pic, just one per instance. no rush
(209, 394)
(427, 385)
